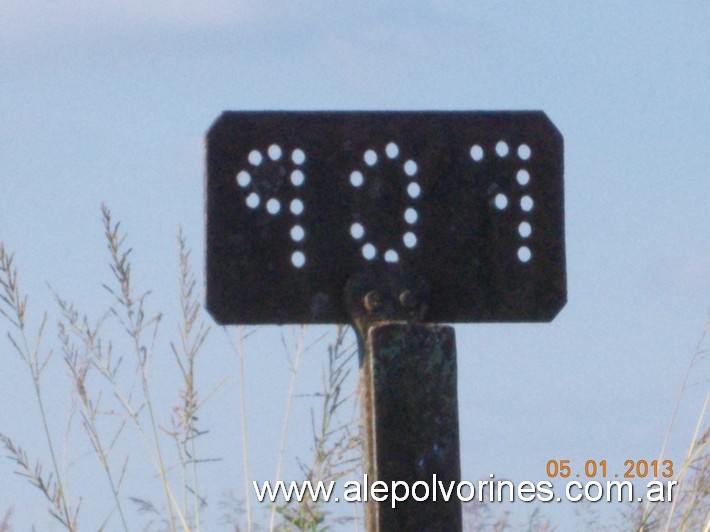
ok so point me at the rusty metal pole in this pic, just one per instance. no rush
(410, 421)
(410, 427)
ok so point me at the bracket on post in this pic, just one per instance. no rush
(409, 402)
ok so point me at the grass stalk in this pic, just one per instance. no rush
(695, 459)
(245, 439)
(192, 335)
(295, 366)
(81, 343)
(5, 521)
(698, 445)
(78, 368)
(135, 324)
(335, 445)
(15, 312)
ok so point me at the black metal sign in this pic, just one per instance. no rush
(466, 205)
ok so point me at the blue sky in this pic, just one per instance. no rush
(110, 103)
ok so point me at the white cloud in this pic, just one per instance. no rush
(42, 21)
(39, 23)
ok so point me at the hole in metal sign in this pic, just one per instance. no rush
(438, 214)
(296, 207)
(476, 153)
(390, 157)
(253, 200)
(297, 178)
(255, 157)
(500, 201)
(391, 256)
(297, 233)
(410, 168)
(524, 254)
(298, 157)
(502, 148)
(410, 239)
(357, 231)
(411, 215)
(525, 229)
(523, 177)
(274, 152)
(243, 179)
(357, 179)
(526, 203)
(414, 190)
(524, 152)
(298, 259)
(273, 206)
(369, 251)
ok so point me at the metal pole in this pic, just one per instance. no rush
(410, 421)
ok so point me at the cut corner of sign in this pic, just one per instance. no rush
(325, 197)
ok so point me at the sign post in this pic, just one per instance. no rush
(392, 222)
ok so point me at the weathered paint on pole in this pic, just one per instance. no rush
(410, 425)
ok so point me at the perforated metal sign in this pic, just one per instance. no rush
(468, 206)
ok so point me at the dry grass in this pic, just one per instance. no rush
(14, 309)
(690, 509)
(5, 521)
(110, 377)
(108, 359)
(336, 443)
